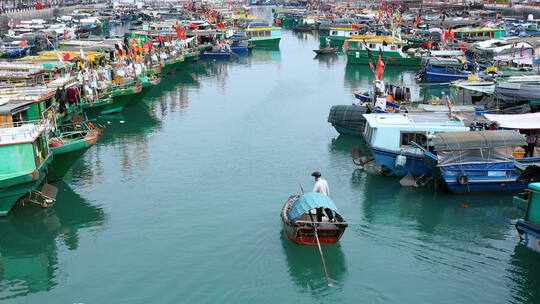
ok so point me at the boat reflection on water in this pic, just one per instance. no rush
(344, 143)
(270, 54)
(433, 212)
(360, 77)
(32, 237)
(127, 133)
(306, 270)
(524, 271)
(328, 60)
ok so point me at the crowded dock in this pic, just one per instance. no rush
(398, 141)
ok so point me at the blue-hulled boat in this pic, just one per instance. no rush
(477, 160)
(529, 226)
(439, 70)
(390, 137)
(217, 54)
(239, 44)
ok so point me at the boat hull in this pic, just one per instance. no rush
(21, 186)
(64, 157)
(310, 240)
(302, 232)
(264, 42)
(414, 164)
(442, 75)
(484, 185)
(102, 107)
(216, 55)
(389, 58)
(531, 234)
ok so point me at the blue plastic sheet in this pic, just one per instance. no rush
(309, 201)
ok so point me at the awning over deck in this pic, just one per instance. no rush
(309, 201)
(458, 141)
(516, 121)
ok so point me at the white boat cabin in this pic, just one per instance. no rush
(394, 132)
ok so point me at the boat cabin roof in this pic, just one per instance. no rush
(376, 120)
(25, 133)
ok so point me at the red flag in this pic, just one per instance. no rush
(22, 43)
(354, 27)
(192, 26)
(278, 21)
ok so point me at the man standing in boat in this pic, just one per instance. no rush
(321, 186)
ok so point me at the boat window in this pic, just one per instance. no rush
(407, 137)
(399, 46)
(267, 34)
(371, 46)
(334, 33)
(393, 48)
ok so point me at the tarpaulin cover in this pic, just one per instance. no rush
(516, 121)
(348, 116)
(508, 95)
(458, 141)
(309, 201)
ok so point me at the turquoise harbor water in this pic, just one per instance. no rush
(179, 203)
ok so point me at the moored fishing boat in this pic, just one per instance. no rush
(263, 36)
(325, 51)
(476, 160)
(148, 83)
(336, 34)
(73, 140)
(301, 213)
(25, 160)
(389, 138)
(529, 225)
(361, 49)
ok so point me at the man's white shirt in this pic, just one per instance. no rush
(321, 186)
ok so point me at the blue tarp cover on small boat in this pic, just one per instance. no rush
(309, 201)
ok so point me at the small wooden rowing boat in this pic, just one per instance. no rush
(326, 51)
(299, 215)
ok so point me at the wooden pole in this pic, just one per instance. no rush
(320, 251)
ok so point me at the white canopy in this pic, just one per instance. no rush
(516, 121)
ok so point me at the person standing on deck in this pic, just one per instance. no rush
(321, 186)
(530, 139)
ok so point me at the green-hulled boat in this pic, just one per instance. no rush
(337, 35)
(126, 93)
(72, 142)
(263, 36)
(25, 160)
(103, 106)
(168, 66)
(359, 49)
(192, 56)
(148, 83)
(113, 100)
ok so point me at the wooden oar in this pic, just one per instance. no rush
(320, 251)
